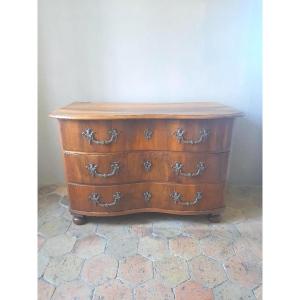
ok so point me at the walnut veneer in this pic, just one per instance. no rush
(123, 158)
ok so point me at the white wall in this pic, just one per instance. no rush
(152, 50)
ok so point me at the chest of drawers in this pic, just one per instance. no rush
(123, 158)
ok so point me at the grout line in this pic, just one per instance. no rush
(118, 269)
(173, 292)
(93, 293)
(51, 297)
(220, 283)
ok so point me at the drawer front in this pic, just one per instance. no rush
(161, 196)
(125, 135)
(194, 168)
(177, 167)
(200, 135)
(181, 167)
(96, 169)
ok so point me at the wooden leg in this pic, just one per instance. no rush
(214, 218)
(79, 219)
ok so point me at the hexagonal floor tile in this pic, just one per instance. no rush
(153, 247)
(41, 241)
(58, 245)
(49, 210)
(73, 290)
(99, 269)
(207, 271)
(135, 270)
(45, 290)
(50, 205)
(64, 201)
(228, 231)
(232, 215)
(245, 273)
(216, 247)
(193, 290)
(112, 229)
(43, 262)
(258, 292)
(113, 289)
(47, 189)
(185, 247)
(171, 270)
(141, 230)
(228, 290)
(80, 231)
(54, 227)
(89, 246)
(248, 249)
(167, 228)
(67, 215)
(153, 289)
(122, 246)
(63, 268)
(46, 202)
(62, 190)
(198, 230)
(251, 230)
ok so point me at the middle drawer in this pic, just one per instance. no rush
(139, 166)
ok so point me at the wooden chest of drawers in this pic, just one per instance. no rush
(129, 158)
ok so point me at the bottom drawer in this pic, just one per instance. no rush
(103, 200)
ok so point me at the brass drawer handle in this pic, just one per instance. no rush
(176, 197)
(147, 196)
(203, 136)
(200, 168)
(96, 199)
(89, 134)
(92, 169)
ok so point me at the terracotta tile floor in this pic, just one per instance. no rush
(150, 256)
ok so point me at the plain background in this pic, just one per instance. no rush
(152, 51)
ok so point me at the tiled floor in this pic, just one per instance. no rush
(150, 256)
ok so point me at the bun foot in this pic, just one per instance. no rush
(79, 220)
(214, 218)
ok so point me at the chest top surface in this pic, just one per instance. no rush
(113, 110)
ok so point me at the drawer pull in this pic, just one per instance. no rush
(89, 134)
(176, 197)
(92, 169)
(147, 196)
(148, 133)
(147, 165)
(177, 167)
(96, 199)
(203, 135)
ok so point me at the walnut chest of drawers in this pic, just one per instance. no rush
(123, 158)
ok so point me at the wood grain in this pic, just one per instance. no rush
(131, 135)
(132, 167)
(82, 124)
(132, 196)
(110, 111)
(210, 212)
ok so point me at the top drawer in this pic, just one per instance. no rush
(125, 135)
